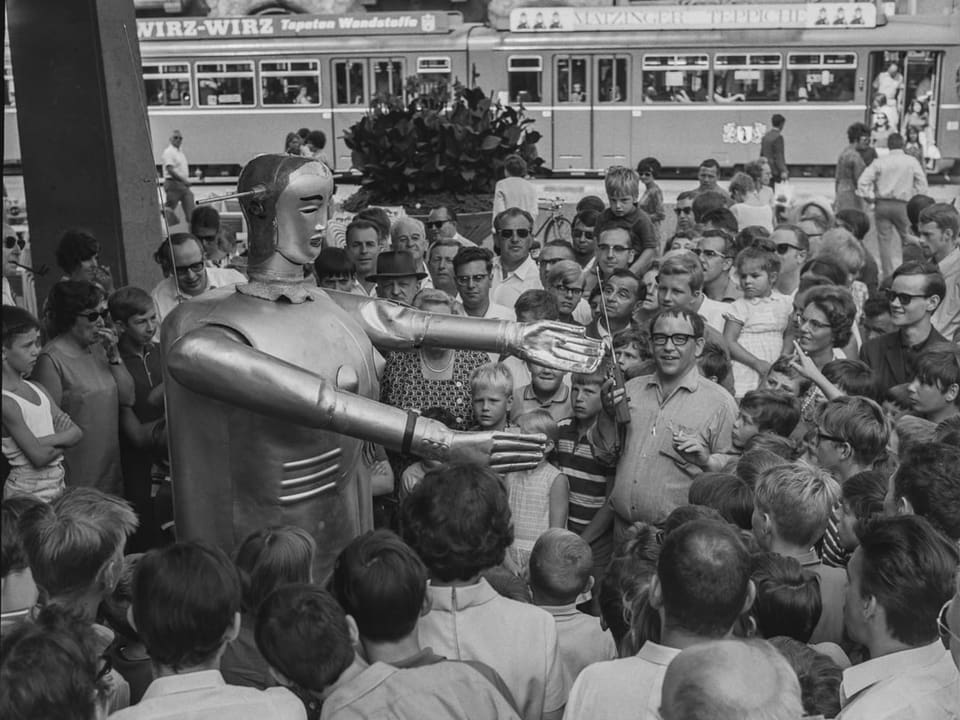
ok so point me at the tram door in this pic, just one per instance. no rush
(591, 116)
(357, 84)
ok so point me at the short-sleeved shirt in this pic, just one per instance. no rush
(641, 224)
(174, 157)
(583, 641)
(505, 290)
(764, 321)
(524, 401)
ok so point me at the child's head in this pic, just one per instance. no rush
(925, 484)
(14, 568)
(632, 348)
(862, 501)
(271, 557)
(729, 495)
(514, 166)
(560, 566)
(714, 363)
(680, 280)
(585, 398)
(819, 676)
(765, 411)
(544, 380)
(305, 636)
(335, 270)
(75, 544)
(876, 318)
(855, 221)
(186, 604)
(683, 514)
(21, 339)
(788, 600)
(783, 377)
(535, 305)
(777, 444)
(458, 521)
(381, 583)
(633, 564)
(792, 503)
(622, 185)
(622, 290)
(540, 421)
(758, 270)
(850, 430)
(754, 463)
(134, 314)
(491, 389)
(935, 389)
(854, 377)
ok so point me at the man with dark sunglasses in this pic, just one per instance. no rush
(514, 271)
(792, 246)
(441, 224)
(12, 246)
(914, 295)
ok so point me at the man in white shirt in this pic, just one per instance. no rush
(189, 277)
(176, 176)
(701, 587)
(514, 271)
(901, 574)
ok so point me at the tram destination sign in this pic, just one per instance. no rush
(694, 17)
(269, 26)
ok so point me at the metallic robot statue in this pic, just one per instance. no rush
(271, 386)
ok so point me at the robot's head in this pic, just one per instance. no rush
(286, 211)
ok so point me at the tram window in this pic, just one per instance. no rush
(388, 78)
(675, 78)
(612, 80)
(349, 78)
(571, 80)
(167, 85)
(821, 77)
(294, 82)
(9, 94)
(525, 77)
(228, 83)
(747, 78)
(432, 74)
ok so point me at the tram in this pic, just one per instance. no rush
(606, 85)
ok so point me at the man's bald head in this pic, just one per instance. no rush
(730, 680)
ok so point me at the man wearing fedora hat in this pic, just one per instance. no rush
(397, 276)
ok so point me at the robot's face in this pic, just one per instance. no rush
(302, 213)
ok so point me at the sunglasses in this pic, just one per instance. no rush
(683, 211)
(436, 224)
(588, 234)
(521, 233)
(196, 268)
(784, 248)
(678, 339)
(467, 279)
(707, 253)
(94, 315)
(11, 240)
(902, 297)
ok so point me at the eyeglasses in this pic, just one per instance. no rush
(707, 253)
(11, 240)
(815, 324)
(588, 234)
(195, 268)
(475, 279)
(904, 298)
(678, 339)
(683, 210)
(94, 315)
(437, 224)
(613, 248)
(567, 290)
(946, 633)
(521, 233)
(784, 248)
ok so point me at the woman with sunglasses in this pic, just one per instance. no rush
(82, 371)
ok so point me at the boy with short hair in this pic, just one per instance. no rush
(18, 591)
(547, 390)
(726, 493)
(862, 501)
(632, 349)
(589, 480)
(35, 429)
(622, 185)
(335, 270)
(186, 608)
(560, 571)
(491, 388)
(765, 411)
(714, 363)
(934, 392)
(792, 503)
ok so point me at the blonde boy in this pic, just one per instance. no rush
(622, 185)
(491, 387)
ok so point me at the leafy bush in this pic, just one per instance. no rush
(438, 143)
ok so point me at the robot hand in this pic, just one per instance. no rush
(557, 345)
(502, 451)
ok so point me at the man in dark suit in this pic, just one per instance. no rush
(916, 291)
(771, 148)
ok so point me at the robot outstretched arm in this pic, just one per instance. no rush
(395, 327)
(216, 362)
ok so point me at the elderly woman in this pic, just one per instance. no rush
(82, 370)
(748, 208)
(565, 283)
(432, 377)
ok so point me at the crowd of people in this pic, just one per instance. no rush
(750, 510)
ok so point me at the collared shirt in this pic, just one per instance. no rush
(473, 622)
(652, 477)
(833, 586)
(582, 640)
(506, 290)
(917, 684)
(624, 688)
(174, 157)
(588, 478)
(166, 298)
(438, 691)
(204, 695)
(895, 176)
(515, 192)
(946, 318)
(525, 400)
